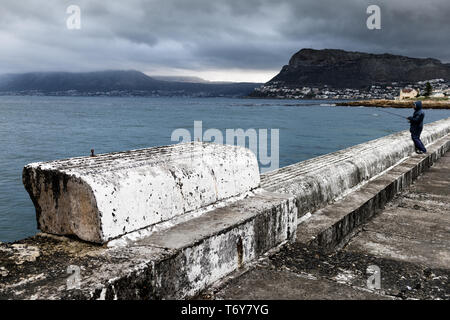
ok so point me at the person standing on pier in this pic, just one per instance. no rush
(416, 127)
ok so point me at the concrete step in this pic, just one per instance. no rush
(433, 254)
(404, 222)
(265, 283)
(318, 182)
(234, 224)
(174, 263)
(331, 227)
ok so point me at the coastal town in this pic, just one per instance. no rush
(439, 89)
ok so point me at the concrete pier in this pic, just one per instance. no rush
(319, 181)
(188, 215)
(297, 217)
(408, 241)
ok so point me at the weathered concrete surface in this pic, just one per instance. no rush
(415, 228)
(102, 197)
(409, 241)
(180, 261)
(319, 181)
(269, 282)
(333, 225)
(171, 264)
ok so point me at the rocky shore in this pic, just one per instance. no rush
(382, 103)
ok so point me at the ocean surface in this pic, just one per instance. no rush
(48, 128)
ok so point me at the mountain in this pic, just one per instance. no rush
(114, 83)
(64, 81)
(344, 69)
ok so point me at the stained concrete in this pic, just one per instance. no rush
(333, 225)
(173, 264)
(267, 282)
(182, 259)
(414, 231)
(413, 223)
(100, 198)
(409, 241)
(319, 181)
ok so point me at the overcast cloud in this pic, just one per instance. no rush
(219, 40)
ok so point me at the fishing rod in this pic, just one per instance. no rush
(395, 114)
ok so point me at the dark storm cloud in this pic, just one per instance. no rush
(210, 34)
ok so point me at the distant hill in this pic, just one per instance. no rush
(114, 83)
(344, 69)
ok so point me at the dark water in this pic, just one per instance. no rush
(48, 128)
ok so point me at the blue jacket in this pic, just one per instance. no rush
(417, 119)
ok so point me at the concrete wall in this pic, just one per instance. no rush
(319, 181)
(182, 260)
(103, 197)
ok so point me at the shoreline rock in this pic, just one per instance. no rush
(382, 103)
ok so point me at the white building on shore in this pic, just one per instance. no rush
(408, 93)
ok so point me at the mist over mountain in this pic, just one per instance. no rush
(116, 82)
(181, 79)
(345, 69)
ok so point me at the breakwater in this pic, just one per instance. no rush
(179, 259)
(383, 103)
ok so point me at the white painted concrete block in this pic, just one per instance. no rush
(102, 197)
(321, 180)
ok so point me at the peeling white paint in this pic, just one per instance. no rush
(322, 180)
(3, 272)
(345, 277)
(23, 252)
(22, 282)
(304, 218)
(211, 256)
(100, 198)
(147, 231)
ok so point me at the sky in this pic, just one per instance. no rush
(226, 40)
